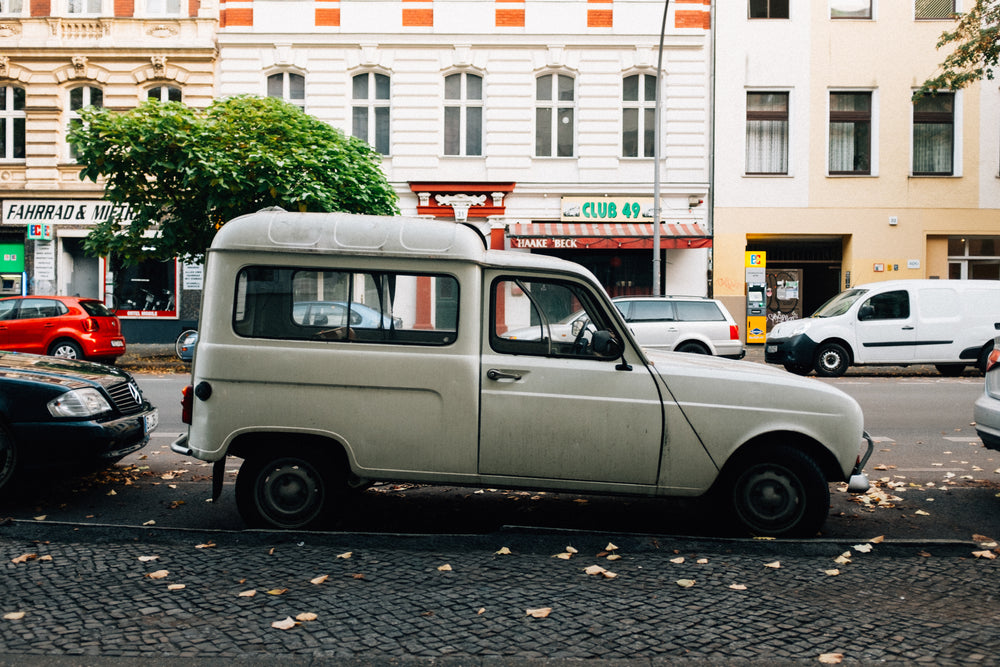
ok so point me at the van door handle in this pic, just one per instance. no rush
(494, 374)
(907, 328)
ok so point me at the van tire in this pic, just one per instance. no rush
(779, 491)
(291, 490)
(950, 370)
(832, 360)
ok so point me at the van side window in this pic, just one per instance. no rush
(544, 318)
(348, 306)
(886, 306)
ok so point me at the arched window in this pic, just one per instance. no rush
(80, 97)
(164, 94)
(370, 110)
(638, 114)
(463, 114)
(554, 115)
(12, 119)
(288, 86)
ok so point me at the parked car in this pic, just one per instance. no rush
(986, 410)
(61, 326)
(62, 412)
(185, 344)
(447, 399)
(672, 323)
(334, 314)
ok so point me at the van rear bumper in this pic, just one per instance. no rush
(797, 350)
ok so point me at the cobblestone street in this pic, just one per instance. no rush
(71, 591)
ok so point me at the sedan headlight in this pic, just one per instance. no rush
(78, 403)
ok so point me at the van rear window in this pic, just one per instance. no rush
(347, 306)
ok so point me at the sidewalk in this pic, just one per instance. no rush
(462, 600)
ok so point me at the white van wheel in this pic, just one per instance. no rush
(831, 360)
(283, 491)
(780, 491)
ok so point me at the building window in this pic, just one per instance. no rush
(850, 9)
(11, 7)
(934, 9)
(769, 9)
(850, 133)
(83, 6)
(163, 7)
(11, 123)
(554, 115)
(767, 133)
(463, 114)
(370, 113)
(934, 135)
(289, 87)
(638, 115)
(80, 97)
(975, 257)
(164, 94)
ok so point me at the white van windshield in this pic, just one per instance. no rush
(839, 304)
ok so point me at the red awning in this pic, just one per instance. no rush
(606, 236)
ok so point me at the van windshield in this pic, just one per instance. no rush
(840, 304)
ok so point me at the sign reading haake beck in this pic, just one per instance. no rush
(25, 212)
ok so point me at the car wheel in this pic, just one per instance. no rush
(831, 360)
(950, 370)
(780, 492)
(66, 349)
(288, 491)
(8, 459)
(691, 348)
(798, 369)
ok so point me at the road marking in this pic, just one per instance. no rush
(930, 469)
(879, 438)
(959, 438)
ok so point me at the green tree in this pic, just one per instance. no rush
(184, 172)
(976, 50)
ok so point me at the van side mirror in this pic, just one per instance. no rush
(605, 344)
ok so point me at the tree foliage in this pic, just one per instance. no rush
(184, 172)
(976, 50)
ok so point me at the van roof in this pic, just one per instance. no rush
(276, 230)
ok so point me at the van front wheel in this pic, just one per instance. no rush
(288, 491)
(831, 360)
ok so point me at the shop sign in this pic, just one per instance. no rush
(11, 257)
(40, 232)
(26, 212)
(606, 209)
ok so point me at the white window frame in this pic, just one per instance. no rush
(164, 92)
(642, 105)
(464, 104)
(791, 130)
(286, 87)
(73, 114)
(913, 8)
(957, 153)
(162, 8)
(872, 5)
(84, 4)
(874, 122)
(371, 104)
(10, 114)
(554, 105)
(5, 9)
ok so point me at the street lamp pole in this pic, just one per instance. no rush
(656, 156)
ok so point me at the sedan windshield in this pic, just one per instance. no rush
(839, 304)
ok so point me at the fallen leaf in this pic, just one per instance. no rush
(444, 568)
(277, 591)
(565, 555)
(922, 513)
(775, 565)
(23, 558)
(832, 573)
(357, 576)
(206, 545)
(608, 575)
(842, 559)
(149, 523)
(611, 547)
(737, 587)
(678, 560)
(614, 557)
(248, 594)
(45, 558)
(685, 583)
(702, 561)
(320, 579)
(287, 624)
(831, 658)
(482, 610)
(543, 612)
(159, 574)
(595, 569)
(877, 540)
(571, 550)
(147, 559)
(41, 517)
(176, 587)
(112, 492)
(306, 616)
(863, 548)
(923, 554)
(504, 551)
(13, 616)
(346, 555)
(984, 554)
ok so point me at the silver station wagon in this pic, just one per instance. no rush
(436, 392)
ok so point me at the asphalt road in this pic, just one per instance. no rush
(933, 480)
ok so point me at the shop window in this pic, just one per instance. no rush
(934, 9)
(850, 133)
(934, 135)
(768, 9)
(976, 257)
(146, 289)
(80, 97)
(164, 94)
(767, 133)
(463, 114)
(370, 110)
(12, 119)
(638, 115)
(555, 108)
(288, 86)
(850, 9)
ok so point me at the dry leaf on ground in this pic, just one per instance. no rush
(13, 616)
(320, 579)
(159, 574)
(176, 587)
(542, 612)
(306, 616)
(989, 555)
(346, 555)
(504, 551)
(685, 583)
(831, 658)
(737, 587)
(248, 594)
(444, 568)
(774, 565)
(287, 624)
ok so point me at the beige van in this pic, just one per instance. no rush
(409, 376)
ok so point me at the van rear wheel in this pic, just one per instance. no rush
(291, 490)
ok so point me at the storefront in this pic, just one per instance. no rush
(154, 299)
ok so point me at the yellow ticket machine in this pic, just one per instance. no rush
(756, 281)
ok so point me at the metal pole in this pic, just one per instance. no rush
(656, 157)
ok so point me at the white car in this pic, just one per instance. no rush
(986, 411)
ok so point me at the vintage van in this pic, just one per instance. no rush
(948, 323)
(434, 393)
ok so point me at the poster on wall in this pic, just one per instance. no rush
(144, 290)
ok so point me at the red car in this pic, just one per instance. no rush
(60, 326)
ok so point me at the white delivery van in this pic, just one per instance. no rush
(338, 350)
(948, 323)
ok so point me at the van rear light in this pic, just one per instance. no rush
(734, 332)
(90, 325)
(187, 401)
